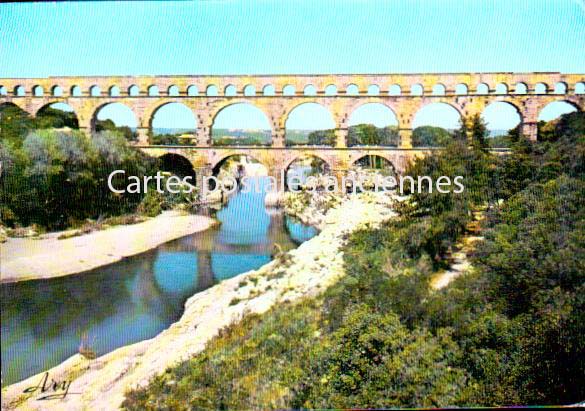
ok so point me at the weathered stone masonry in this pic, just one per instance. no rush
(278, 95)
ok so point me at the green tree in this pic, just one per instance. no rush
(49, 117)
(373, 361)
(536, 242)
(508, 331)
(109, 125)
(15, 123)
(59, 177)
(364, 134)
(322, 137)
(479, 132)
(368, 134)
(462, 133)
(429, 136)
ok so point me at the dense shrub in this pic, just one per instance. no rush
(56, 178)
(510, 331)
(368, 134)
(374, 361)
(321, 138)
(429, 136)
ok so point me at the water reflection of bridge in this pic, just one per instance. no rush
(207, 243)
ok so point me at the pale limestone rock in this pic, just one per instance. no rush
(315, 265)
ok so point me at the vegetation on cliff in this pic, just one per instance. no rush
(510, 331)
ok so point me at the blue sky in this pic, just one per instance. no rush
(285, 36)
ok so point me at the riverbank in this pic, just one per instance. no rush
(302, 272)
(47, 256)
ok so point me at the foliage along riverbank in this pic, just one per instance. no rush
(54, 176)
(511, 331)
(297, 274)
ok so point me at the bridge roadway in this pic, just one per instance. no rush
(278, 159)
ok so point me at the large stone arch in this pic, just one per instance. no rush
(355, 157)
(290, 104)
(297, 103)
(15, 103)
(54, 101)
(150, 110)
(398, 159)
(177, 163)
(520, 104)
(60, 101)
(300, 155)
(217, 160)
(576, 102)
(442, 99)
(220, 106)
(355, 104)
(407, 109)
(432, 129)
(558, 107)
(377, 112)
(507, 102)
(306, 155)
(98, 108)
(150, 115)
(517, 103)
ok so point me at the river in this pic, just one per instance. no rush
(132, 300)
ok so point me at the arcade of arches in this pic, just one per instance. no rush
(400, 101)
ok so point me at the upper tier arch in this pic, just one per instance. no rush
(277, 95)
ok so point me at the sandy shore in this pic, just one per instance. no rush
(48, 257)
(308, 270)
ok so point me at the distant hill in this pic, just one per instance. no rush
(224, 136)
(497, 133)
(298, 136)
(172, 131)
(293, 136)
(241, 133)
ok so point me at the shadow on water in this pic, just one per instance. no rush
(136, 298)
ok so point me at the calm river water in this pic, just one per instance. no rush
(135, 299)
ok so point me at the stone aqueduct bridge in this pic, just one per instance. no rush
(277, 96)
